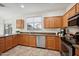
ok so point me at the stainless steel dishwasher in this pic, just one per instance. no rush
(41, 41)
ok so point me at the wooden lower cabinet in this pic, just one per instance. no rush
(8, 42)
(58, 43)
(23, 39)
(76, 51)
(14, 41)
(50, 42)
(53, 42)
(2, 44)
(32, 41)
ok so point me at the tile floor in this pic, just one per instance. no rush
(29, 51)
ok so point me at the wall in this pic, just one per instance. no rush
(73, 29)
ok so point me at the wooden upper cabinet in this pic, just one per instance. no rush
(53, 22)
(32, 41)
(20, 23)
(65, 20)
(72, 11)
(58, 21)
(47, 22)
(2, 44)
(77, 7)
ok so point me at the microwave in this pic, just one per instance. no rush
(73, 21)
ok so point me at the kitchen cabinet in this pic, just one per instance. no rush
(77, 8)
(76, 51)
(32, 41)
(2, 44)
(14, 40)
(50, 42)
(72, 11)
(8, 42)
(58, 43)
(58, 22)
(20, 23)
(53, 42)
(53, 22)
(20, 39)
(23, 39)
(65, 20)
(47, 22)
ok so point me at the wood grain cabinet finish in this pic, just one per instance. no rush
(53, 22)
(50, 42)
(14, 40)
(2, 44)
(58, 22)
(77, 8)
(8, 42)
(25, 39)
(53, 42)
(58, 43)
(65, 20)
(72, 11)
(76, 51)
(47, 22)
(32, 41)
(20, 23)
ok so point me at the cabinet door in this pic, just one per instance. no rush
(51, 22)
(58, 43)
(20, 23)
(32, 41)
(2, 44)
(46, 22)
(25, 40)
(50, 42)
(77, 51)
(72, 11)
(65, 20)
(8, 42)
(14, 40)
(58, 22)
(77, 7)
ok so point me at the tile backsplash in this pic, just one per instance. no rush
(73, 29)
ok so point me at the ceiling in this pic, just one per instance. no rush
(14, 9)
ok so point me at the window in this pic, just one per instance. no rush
(34, 23)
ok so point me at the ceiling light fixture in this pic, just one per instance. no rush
(22, 6)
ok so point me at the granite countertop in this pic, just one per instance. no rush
(34, 33)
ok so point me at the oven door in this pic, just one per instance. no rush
(67, 50)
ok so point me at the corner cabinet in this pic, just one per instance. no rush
(8, 42)
(20, 23)
(65, 20)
